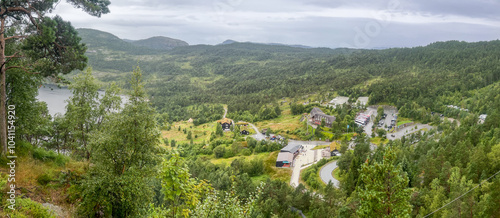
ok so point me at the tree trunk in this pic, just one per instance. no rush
(3, 91)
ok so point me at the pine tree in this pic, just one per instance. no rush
(385, 191)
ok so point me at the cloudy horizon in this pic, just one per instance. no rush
(317, 23)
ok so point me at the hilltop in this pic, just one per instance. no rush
(100, 40)
(160, 43)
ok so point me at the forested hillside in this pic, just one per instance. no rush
(247, 76)
(147, 158)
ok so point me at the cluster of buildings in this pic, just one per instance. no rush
(341, 100)
(338, 101)
(287, 155)
(362, 119)
(317, 115)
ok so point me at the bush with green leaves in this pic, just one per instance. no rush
(47, 156)
(27, 208)
(44, 179)
(311, 177)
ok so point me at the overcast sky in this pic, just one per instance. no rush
(318, 23)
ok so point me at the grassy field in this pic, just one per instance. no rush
(320, 147)
(286, 121)
(258, 179)
(403, 122)
(348, 135)
(199, 133)
(377, 140)
(227, 161)
(283, 174)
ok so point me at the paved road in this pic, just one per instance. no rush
(258, 135)
(390, 116)
(297, 142)
(368, 128)
(225, 112)
(408, 130)
(326, 174)
(305, 159)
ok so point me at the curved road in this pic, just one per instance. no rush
(257, 134)
(326, 173)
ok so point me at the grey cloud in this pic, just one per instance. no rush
(283, 21)
(476, 8)
(470, 8)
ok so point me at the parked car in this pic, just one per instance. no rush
(393, 135)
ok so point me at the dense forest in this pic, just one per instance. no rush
(103, 160)
(246, 76)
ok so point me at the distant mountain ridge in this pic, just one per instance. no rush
(100, 39)
(230, 41)
(160, 42)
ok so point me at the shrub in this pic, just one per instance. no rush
(61, 160)
(229, 153)
(45, 156)
(44, 179)
(26, 207)
(219, 151)
(74, 193)
(23, 148)
(246, 152)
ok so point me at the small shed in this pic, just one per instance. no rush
(284, 159)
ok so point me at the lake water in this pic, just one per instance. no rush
(56, 98)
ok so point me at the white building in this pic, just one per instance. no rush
(338, 101)
(363, 101)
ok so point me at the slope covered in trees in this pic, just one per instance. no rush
(117, 164)
(246, 76)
